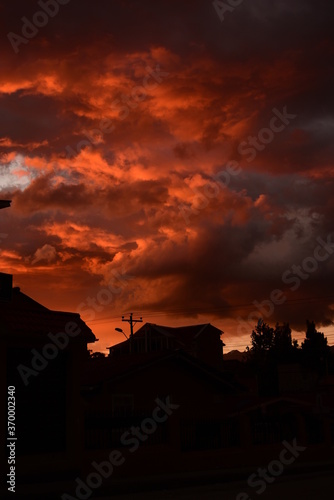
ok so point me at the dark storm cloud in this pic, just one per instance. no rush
(117, 201)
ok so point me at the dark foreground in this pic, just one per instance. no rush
(317, 486)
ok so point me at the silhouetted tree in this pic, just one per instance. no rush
(272, 344)
(262, 338)
(259, 358)
(284, 348)
(315, 348)
(269, 347)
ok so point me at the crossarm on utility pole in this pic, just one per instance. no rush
(132, 322)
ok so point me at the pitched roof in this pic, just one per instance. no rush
(185, 335)
(24, 316)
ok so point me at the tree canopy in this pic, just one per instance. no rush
(269, 345)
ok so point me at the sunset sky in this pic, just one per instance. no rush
(167, 162)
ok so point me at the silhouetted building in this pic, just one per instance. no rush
(200, 341)
(217, 420)
(120, 393)
(5, 203)
(41, 356)
(6, 286)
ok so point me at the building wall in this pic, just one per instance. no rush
(210, 347)
(49, 415)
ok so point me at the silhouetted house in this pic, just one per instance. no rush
(121, 393)
(200, 341)
(41, 356)
(242, 374)
(308, 418)
(5, 279)
(216, 421)
(293, 377)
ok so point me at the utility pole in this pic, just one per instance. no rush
(132, 322)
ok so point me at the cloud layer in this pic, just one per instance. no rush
(117, 121)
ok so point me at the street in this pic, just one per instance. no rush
(315, 486)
